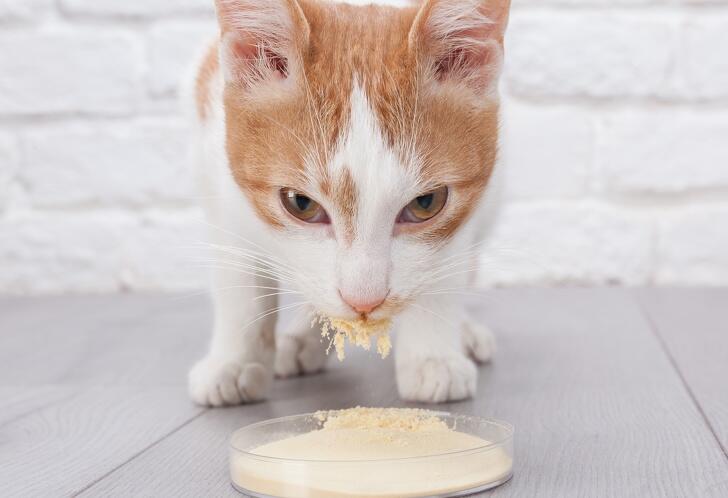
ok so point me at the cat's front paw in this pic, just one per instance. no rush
(300, 355)
(222, 382)
(478, 340)
(437, 378)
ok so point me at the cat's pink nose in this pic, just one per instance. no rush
(362, 305)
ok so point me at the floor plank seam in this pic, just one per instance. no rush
(138, 454)
(665, 348)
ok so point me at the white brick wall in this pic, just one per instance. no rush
(132, 164)
(615, 138)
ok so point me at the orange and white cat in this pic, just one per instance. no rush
(347, 154)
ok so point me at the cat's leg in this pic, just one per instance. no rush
(478, 339)
(239, 365)
(432, 363)
(300, 349)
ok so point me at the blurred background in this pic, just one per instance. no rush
(615, 141)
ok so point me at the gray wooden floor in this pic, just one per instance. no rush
(614, 393)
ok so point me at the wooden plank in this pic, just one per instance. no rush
(128, 339)
(18, 402)
(693, 324)
(62, 448)
(604, 413)
(598, 408)
(88, 383)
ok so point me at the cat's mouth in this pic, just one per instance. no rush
(386, 311)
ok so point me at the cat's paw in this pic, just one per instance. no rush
(300, 355)
(219, 382)
(478, 340)
(437, 378)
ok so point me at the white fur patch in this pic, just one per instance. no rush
(386, 183)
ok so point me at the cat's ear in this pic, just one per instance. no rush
(261, 39)
(461, 41)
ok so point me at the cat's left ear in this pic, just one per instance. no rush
(461, 41)
(261, 39)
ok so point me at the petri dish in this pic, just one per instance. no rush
(445, 474)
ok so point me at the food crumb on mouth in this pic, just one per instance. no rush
(359, 332)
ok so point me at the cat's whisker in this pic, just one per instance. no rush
(233, 234)
(272, 311)
(270, 274)
(261, 287)
(251, 264)
(230, 288)
(464, 257)
(259, 250)
(264, 268)
(450, 275)
(427, 278)
(264, 257)
(280, 268)
(450, 293)
(458, 288)
(272, 277)
(475, 248)
(455, 270)
(297, 278)
(442, 269)
(254, 256)
(282, 293)
(251, 259)
(447, 321)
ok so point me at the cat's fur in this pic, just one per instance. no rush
(362, 108)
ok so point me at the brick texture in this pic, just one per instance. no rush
(588, 55)
(8, 168)
(171, 48)
(665, 152)
(24, 10)
(567, 243)
(136, 8)
(546, 152)
(68, 73)
(702, 58)
(693, 247)
(132, 165)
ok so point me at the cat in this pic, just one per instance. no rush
(347, 155)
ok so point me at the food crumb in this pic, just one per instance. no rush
(401, 419)
(359, 332)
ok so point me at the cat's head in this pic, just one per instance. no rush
(364, 136)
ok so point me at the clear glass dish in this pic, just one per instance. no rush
(455, 473)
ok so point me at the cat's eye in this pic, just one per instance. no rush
(303, 207)
(424, 207)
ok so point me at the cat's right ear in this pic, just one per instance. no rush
(261, 40)
(461, 41)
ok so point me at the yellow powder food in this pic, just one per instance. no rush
(358, 332)
(404, 420)
(372, 453)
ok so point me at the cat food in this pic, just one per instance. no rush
(359, 332)
(371, 452)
